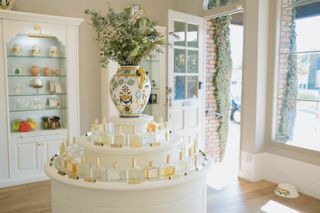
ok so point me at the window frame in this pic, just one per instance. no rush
(274, 145)
(231, 8)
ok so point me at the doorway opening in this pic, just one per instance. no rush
(225, 152)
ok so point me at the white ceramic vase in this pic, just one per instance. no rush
(130, 89)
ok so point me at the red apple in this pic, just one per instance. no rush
(25, 127)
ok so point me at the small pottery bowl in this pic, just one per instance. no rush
(58, 72)
(35, 70)
(46, 71)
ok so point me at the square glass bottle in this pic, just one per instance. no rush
(99, 172)
(151, 172)
(192, 161)
(115, 174)
(106, 136)
(135, 140)
(119, 139)
(181, 166)
(168, 170)
(134, 174)
(83, 169)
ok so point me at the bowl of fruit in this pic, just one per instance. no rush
(24, 125)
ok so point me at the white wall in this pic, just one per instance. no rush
(90, 103)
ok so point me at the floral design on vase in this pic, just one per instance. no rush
(130, 89)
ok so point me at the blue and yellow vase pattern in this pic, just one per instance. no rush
(130, 89)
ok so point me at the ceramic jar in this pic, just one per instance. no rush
(130, 90)
(35, 51)
(35, 70)
(46, 71)
(58, 72)
(53, 51)
(16, 50)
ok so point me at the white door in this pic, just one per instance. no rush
(186, 75)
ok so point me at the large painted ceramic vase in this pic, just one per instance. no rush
(130, 89)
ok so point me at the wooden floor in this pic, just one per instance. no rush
(240, 196)
(246, 197)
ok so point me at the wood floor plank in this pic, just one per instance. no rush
(238, 197)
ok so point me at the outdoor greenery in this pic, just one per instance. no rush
(289, 103)
(222, 77)
(126, 37)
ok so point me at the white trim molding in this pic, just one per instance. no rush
(278, 169)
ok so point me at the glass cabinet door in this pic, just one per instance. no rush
(36, 83)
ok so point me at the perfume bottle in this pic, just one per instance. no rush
(106, 136)
(168, 169)
(83, 169)
(160, 123)
(192, 161)
(72, 169)
(150, 138)
(62, 149)
(96, 134)
(99, 172)
(115, 174)
(135, 140)
(151, 172)
(166, 126)
(181, 165)
(74, 149)
(134, 174)
(119, 139)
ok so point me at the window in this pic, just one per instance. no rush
(298, 92)
(219, 3)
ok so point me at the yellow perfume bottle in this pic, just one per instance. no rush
(181, 166)
(168, 169)
(192, 161)
(119, 138)
(83, 169)
(151, 172)
(99, 172)
(135, 140)
(134, 174)
(106, 137)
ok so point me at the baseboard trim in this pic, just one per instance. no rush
(19, 181)
(279, 169)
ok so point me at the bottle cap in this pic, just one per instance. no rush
(181, 156)
(83, 160)
(96, 122)
(115, 164)
(151, 163)
(168, 159)
(134, 163)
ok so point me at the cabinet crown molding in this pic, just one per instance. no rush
(25, 16)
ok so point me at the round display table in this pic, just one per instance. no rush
(186, 194)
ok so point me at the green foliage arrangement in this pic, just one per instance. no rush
(222, 78)
(289, 103)
(126, 37)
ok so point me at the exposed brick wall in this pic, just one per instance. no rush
(211, 139)
(285, 21)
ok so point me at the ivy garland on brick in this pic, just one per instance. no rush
(222, 78)
(289, 103)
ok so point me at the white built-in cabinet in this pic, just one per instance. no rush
(30, 40)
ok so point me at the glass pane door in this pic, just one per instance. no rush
(186, 58)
